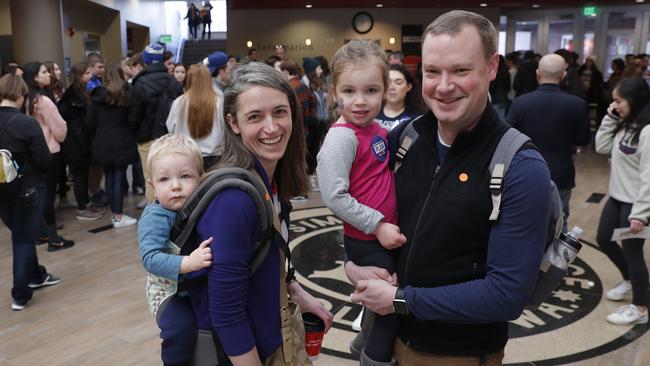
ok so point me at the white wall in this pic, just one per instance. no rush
(150, 13)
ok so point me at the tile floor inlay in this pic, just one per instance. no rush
(570, 314)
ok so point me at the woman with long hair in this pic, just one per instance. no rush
(54, 127)
(264, 134)
(403, 98)
(112, 145)
(76, 147)
(624, 134)
(198, 114)
(23, 214)
(56, 87)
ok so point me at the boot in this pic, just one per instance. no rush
(359, 342)
(367, 361)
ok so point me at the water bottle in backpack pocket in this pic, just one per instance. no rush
(555, 265)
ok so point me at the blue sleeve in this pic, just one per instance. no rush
(515, 250)
(231, 220)
(153, 235)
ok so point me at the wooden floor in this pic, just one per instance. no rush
(97, 315)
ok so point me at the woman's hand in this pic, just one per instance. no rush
(357, 273)
(611, 110)
(309, 304)
(636, 226)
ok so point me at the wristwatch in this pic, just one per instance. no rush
(399, 303)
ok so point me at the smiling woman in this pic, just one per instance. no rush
(263, 133)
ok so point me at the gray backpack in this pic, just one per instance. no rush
(511, 142)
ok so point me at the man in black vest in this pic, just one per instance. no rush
(556, 122)
(461, 278)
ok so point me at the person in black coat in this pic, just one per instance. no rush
(23, 200)
(525, 80)
(153, 91)
(499, 88)
(193, 20)
(112, 144)
(555, 121)
(76, 146)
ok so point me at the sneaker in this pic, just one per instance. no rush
(298, 199)
(99, 198)
(17, 307)
(92, 208)
(48, 281)
(139, 191)
(65, 203)
(620, 291)
(61, 244)
(628, 314)
(124, 221)
(88, 215)
(142, 204)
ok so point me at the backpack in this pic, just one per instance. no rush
(163, 106)
(9, 172)
(159, 289)
(511, 142)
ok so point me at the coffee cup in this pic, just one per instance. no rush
(314, 331)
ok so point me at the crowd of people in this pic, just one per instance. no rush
(334, 128)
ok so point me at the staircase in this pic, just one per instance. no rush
(195, 52)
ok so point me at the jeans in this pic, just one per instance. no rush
(178, 331)
(80, 174)
(23, 218)
(114, 188)
(52, 180)
(629, 259)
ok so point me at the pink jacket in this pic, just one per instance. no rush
(53, 125)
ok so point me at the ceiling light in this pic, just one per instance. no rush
(640, 1)
(535, 5)
(308, 42)
(308, 6)
(249, 44)
(483, 5)
(391, 40)
(380, 5)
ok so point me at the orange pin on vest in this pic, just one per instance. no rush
(463, 177)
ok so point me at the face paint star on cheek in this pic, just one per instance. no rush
(340, 104)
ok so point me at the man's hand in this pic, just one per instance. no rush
(357, 273)
(376, 295)
(636, 226)
(389, 235)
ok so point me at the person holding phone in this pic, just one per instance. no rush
(624, 135)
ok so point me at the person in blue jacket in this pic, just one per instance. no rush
(263, 133)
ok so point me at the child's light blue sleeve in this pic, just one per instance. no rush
(153, 235)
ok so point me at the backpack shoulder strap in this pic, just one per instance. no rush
(217, 181)
(508, 146)
(406, 139)
(6, 126)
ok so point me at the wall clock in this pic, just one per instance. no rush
(362, 22)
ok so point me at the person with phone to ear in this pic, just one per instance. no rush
(624, 135)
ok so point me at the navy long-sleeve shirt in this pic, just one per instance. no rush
(515, 250)
(244, 310)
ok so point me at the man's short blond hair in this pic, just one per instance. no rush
(174, 144)
(453, 23)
